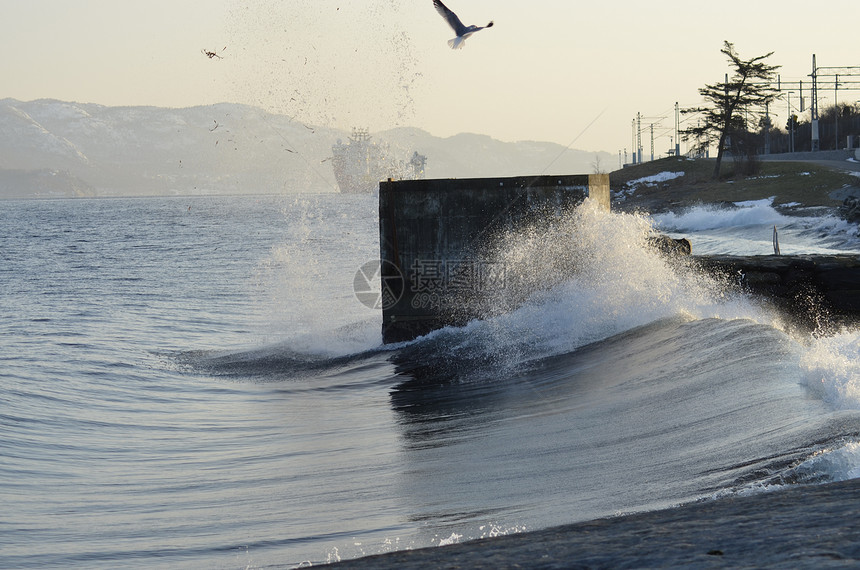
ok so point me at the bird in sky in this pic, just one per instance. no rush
(462, 31)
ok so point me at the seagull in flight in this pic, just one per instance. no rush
(462, 31)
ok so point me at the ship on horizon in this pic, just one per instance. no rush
(360, 164)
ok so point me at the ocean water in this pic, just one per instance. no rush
(192, 383)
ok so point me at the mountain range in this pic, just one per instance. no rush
(52, 148)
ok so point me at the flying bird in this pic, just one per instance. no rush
(462, 31)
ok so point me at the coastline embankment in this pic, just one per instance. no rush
(813, 291)
(808, 179)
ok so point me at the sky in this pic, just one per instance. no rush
(574, 73)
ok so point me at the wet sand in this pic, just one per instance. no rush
(791, 527)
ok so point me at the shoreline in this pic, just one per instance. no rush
(793, 526)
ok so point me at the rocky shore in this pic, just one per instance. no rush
(850, 209)
(819, 293)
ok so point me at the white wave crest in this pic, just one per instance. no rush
(831, 368)
(836, 464)
(590, 276)
(758, 212)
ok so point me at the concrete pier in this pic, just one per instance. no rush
(814, 291)
(431, 235)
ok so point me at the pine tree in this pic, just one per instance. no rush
(733, 104)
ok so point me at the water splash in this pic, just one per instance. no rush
(838, 463)
(306, 282)
(746, 228)
(831, 369)
(325, 63)
(758, 212)
(593, 274)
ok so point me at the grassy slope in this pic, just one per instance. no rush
(802, 182)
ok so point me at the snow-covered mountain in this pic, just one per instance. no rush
(56, 148)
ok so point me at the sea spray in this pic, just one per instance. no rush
(306, 281)
(831, 368)
(584, 277)
(746, 228)
(710, 217)
(569, 281)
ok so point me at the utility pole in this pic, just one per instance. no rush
(767, 128)
(677, 130)
(801, 96)
(639, 136)
(652, 142)
(851, 83)
(813, 109)
(836, 111)
(633, 141)
(790, 125)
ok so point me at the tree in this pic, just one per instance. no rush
(733, 104)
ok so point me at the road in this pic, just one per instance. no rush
(838, 159)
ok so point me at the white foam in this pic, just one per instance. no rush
(831, 369)
(758, 212)
(747, 229)
(589, 278)
(837, 463)
(453, 539)
(305, 285)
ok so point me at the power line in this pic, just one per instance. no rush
(827, 78)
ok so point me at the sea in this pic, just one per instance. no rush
(193, 382)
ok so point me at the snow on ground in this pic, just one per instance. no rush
(656, 178)
(764, 177)
(631, 186)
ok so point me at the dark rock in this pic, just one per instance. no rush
(807, 289)
(670, 245)
(850, 209)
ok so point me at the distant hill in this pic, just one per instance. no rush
(54, 148)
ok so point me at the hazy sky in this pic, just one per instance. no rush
(546, 71)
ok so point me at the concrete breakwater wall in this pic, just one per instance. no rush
(432, 234)
(813, 291)
(435, 272)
